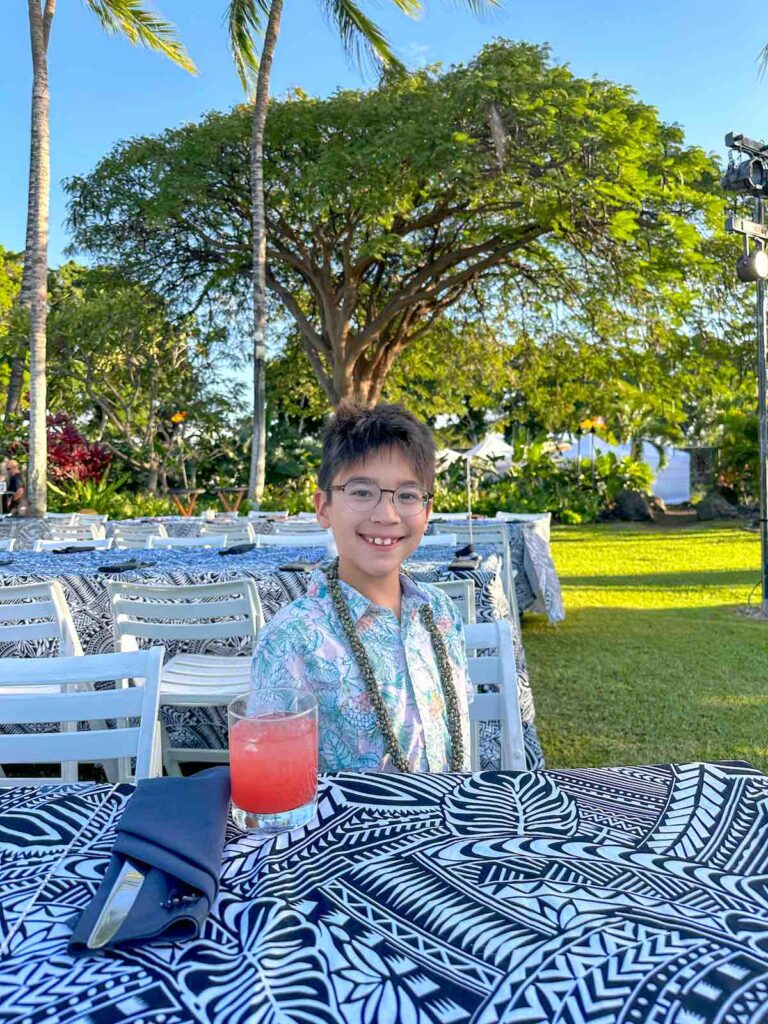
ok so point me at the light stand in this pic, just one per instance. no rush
(750, 177)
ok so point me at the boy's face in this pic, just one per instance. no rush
(357, 533)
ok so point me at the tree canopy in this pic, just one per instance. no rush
(505, 184)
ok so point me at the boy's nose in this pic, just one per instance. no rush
(385, 511)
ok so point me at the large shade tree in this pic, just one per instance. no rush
(137, 23)
(362, 39)
(506, 183)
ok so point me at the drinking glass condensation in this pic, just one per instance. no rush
(273, 758)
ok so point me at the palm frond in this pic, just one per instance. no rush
(141, 26)
(244, 23)
(362, 39)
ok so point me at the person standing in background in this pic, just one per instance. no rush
(15, 498)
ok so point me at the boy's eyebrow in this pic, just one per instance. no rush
(370, 480)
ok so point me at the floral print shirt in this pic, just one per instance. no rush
(304, 645)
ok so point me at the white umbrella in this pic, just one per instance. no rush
(492, 448)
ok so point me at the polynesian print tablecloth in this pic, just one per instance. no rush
(85, 589)
(537, 585)
(602, 896)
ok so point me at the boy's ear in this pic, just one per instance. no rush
(321, 505)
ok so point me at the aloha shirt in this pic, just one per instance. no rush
(304, 646)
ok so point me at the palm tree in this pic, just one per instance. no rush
(362, 39)
(126, 17)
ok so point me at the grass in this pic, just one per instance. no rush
(656, 660)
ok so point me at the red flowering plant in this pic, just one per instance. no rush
(70, 456)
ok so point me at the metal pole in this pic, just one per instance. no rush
(762, 391)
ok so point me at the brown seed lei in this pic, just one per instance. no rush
(360, 654)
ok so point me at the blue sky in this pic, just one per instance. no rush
(696, 62)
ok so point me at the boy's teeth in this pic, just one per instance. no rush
(381, 541)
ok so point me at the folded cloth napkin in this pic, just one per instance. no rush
(468, 549)
(70, 550)
(237, 549)
(173, 831)
(133, 563)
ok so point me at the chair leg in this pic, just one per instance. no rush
(170, 762)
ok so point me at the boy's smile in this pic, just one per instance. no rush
(373, 544)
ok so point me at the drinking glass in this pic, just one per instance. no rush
(273, 758)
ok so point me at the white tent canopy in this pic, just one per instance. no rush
(493, 447)
(672, 484)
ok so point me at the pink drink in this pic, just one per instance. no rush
(273, 760)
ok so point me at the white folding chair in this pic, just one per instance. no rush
(265, 514)
(216, 541)
(236, 533)
(210, 611)
(300, 526)
(320, 539)
(487, 532)
(135, 535)
(462, 593)
(74, 704)
(60, 517)
(502, 704)
(96, 543)
(449, 517)
(438, 540)
(7, 543)
(91, 518)
(75, 531)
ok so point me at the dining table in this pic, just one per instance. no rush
(84, 583)
(613, 895)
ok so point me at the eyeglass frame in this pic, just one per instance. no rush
(427, 497)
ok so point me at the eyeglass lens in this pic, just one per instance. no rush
(362, 497)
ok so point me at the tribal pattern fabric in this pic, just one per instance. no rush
(602, 896)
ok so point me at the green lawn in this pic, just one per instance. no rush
(655, 661)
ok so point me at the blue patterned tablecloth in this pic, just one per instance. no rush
(599, 896)
(85, 589)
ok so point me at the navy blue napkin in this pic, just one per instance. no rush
(237, 549)
(465, 552)
(172, 830)
(70, 550)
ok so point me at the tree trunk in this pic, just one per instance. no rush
(258, 439)
(16, 378)
(36, 255)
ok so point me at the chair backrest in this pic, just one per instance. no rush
(449, 517)
(236, 533)
(435, 540)
(462, 593)
(60, 517)
(97, 543)
(75, 531)
(135, 535)
(91, 518)
(301, 526)
(74, 703)
(502, 704)
(7, 543)
(266, 514)
(45, 603)
(218, 540)
(208, 611)
(487, 532)
(322, 538)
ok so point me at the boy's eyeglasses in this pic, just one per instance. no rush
(364, 497)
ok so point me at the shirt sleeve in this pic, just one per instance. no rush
(278, 657)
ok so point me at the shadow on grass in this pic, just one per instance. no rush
(649, 581)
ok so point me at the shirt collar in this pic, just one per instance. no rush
(358, 604)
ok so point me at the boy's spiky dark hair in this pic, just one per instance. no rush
(355, 432)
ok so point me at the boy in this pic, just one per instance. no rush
(384, 655)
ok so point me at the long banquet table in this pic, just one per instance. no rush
(633, 895)
(85, 589)
(537, 585)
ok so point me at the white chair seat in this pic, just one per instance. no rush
(188, 678)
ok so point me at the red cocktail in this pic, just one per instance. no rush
(273, 758)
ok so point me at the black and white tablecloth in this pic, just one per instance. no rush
(537, 587)
(85, 589)
(601, 896)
